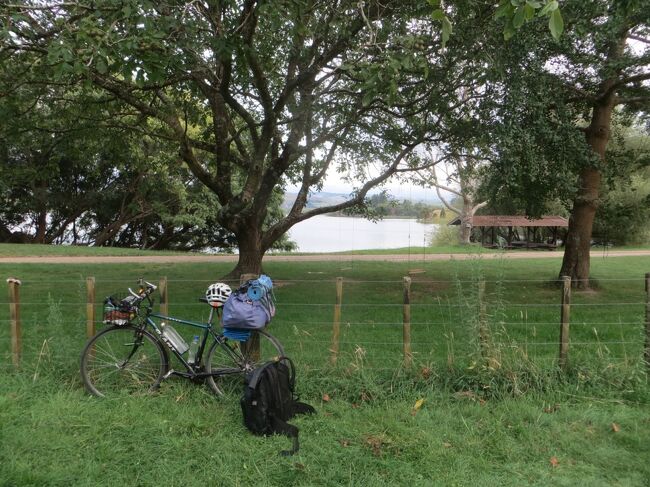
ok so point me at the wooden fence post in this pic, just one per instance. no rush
(564, 321)
(251, 347)
(483, 334)
(336, 324)
(14, 317)
(646, 352)
(164, 297)
(406, 324)
(90, 307)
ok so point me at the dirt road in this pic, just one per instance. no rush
(307, 258)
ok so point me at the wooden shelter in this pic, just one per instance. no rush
(490, 227)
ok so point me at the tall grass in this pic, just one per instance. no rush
(518, 316)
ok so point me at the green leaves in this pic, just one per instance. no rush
(101, 66)
(438, 14)
(447, 29)
(549, 8)
(517, 12)
(367, 98)
(556, 24)
(505, 9)
(519, 18)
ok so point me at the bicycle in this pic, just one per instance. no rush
(132, 355)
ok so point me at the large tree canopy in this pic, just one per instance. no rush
(254, 94)
(555, 116)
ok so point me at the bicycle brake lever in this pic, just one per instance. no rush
(134, 294)
(152, 286)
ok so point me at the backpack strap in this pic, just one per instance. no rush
(302, 408)
(273, 378)
(292, 372)
(257, 374)
(281, 426)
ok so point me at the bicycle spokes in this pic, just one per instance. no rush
(122, 360)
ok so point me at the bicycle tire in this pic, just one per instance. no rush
(219, 359)
(104, 371)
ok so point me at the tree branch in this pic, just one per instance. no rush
(285, 224)
(633, 99)
(639, 38)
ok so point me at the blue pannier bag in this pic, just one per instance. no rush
(239, 311)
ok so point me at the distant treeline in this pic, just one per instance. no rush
(383, 206)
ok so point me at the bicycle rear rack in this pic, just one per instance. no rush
(237, 334)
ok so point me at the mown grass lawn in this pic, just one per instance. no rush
(37, 250)
(521, 424)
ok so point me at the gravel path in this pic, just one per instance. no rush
(308, 258)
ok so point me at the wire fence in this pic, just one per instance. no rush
(378, 324)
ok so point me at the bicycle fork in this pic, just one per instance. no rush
(134, 348)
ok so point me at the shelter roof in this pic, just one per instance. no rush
(514, 221)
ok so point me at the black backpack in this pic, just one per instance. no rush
(269, 401)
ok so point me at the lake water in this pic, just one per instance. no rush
(334, 234)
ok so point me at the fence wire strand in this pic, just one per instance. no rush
(461, 310)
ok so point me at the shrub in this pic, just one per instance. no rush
(445, 235)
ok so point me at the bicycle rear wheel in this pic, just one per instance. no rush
(230, 360)
(123, 360)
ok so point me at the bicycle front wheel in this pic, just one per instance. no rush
(229, 360)
(123, 360)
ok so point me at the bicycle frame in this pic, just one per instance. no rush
(206, 331)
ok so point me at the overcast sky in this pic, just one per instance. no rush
(400, 191)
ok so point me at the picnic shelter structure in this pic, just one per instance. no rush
(516, 231)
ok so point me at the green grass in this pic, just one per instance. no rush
(632, 247)
(37, 250)
(477, 426)
(418, 251)
(53, 434)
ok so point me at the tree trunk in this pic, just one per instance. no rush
(465, 227)
(466, 214)
(107, 233)
(576, 255)
(251, 252)
(41, 227)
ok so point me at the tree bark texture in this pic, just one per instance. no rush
(576, 260)
(576, 255)
(251, 252)
(465, 226)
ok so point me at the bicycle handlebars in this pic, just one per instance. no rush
(143, 292)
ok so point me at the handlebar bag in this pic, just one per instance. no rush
(118, 312)
(239, 311)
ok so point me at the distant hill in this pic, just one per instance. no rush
(318, 200)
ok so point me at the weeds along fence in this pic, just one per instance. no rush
(346, 323)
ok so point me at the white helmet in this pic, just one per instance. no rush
(218, 293)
